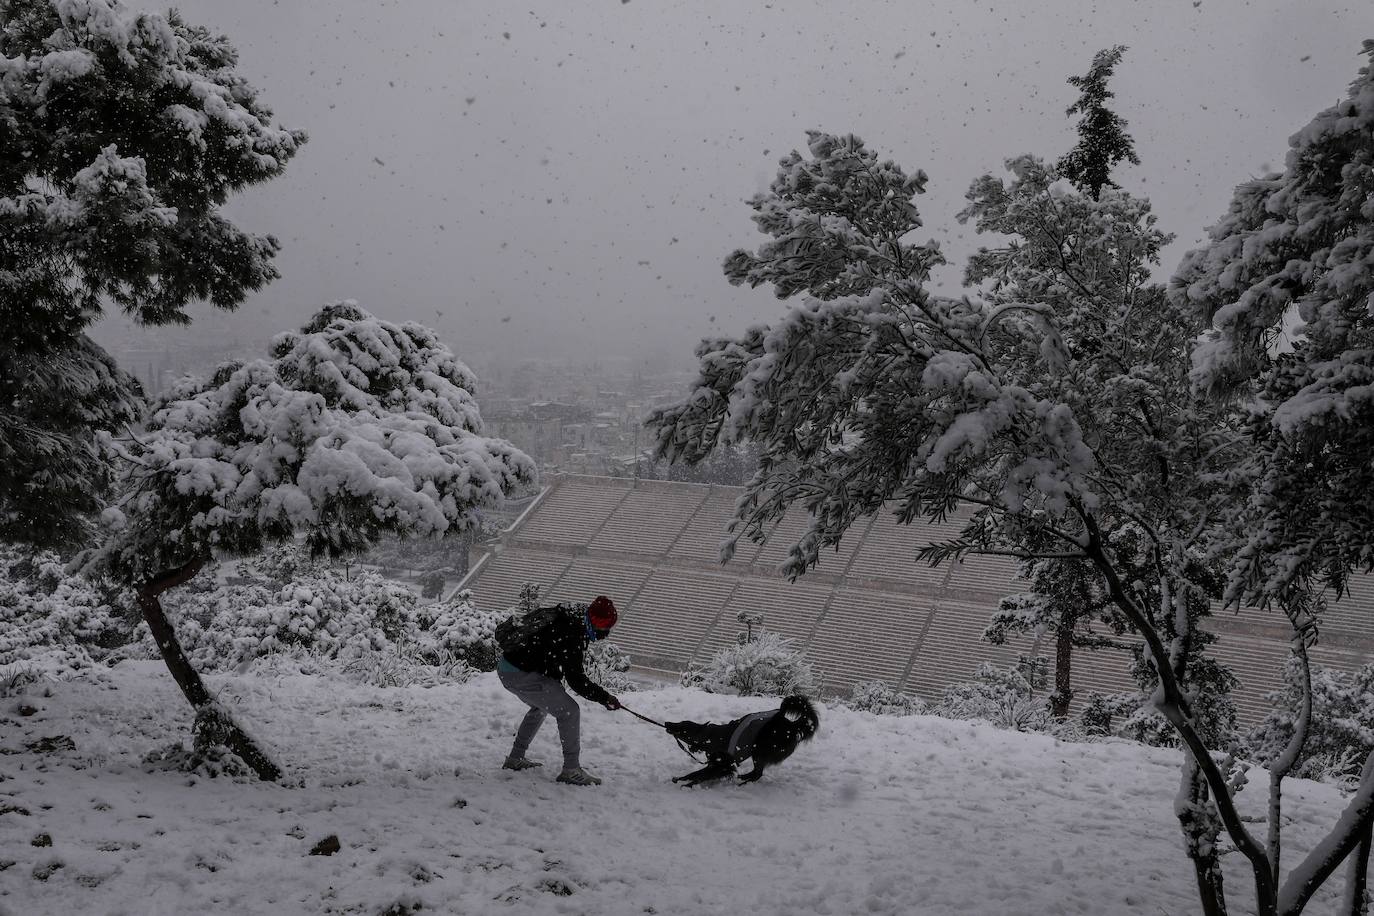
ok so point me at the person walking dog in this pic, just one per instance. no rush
(538, 652)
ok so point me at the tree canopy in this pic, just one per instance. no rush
(124, 133)
(121, 135)
(1294, 254)
(352, 428)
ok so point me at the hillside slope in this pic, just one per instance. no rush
(876, 815)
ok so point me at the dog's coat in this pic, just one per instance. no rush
(767, 737)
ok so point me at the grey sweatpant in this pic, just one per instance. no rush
(545, 697)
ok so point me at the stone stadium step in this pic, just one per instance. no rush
(673, 612)
(870, 635)
(889, 552)
(648, 521)
(587, 577)
(700, 539)
(789, 531)
(572, 512)
(498, 584)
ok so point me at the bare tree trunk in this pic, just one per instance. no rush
(188, 679)
(1201, 831)
(1172, 703)
(1357, 887)
(1063, 667)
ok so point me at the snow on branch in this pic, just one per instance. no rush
(355, 427)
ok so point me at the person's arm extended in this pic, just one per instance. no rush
(578, 680)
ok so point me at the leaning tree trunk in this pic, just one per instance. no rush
(1357, 888)
(188, 679)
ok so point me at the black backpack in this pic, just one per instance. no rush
(516, 631)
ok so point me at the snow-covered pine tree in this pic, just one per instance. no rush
(353, 428)
(1299, 244)
(1057, 405)
(1102, 138)
(1065, 599)
(123, 134)
(1297, 247)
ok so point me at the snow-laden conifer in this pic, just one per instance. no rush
(352, 428)
(122, 134)
(1054, 401)
(1295, 253)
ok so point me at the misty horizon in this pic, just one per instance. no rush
(536, 183)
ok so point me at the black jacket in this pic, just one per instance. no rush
(556, 652)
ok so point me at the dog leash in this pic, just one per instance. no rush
(685, 749)
(645, 718)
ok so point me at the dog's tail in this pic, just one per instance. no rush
(799, 709)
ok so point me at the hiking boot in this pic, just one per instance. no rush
(579, 777)
(520, 763)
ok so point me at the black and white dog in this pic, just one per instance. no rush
(767, 738)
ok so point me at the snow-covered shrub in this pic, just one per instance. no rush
(407, 664)
(52, 625)
(432, 584)
(1004, 697)
(1341, 732)
(883, 699)
(1148, 727)
(608, 664)
(459, 627)
(1103, 714)
(767, 666)
(279, 563)
(230, 625)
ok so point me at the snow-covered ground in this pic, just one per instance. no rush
(913, 815)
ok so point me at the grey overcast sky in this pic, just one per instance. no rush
(562, 178)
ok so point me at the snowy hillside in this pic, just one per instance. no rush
(877, 815)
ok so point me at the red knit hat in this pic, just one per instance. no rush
(601, 613)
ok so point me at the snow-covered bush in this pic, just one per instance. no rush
(459, 627)
(1004, 697)
(407, 664)
(767, 666)
(1341, 732)
(229, 625)
(608, 665)
(278, 563)
(52, 625)
(883, 699)
(1103, 714)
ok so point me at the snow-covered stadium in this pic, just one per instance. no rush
(869, 611)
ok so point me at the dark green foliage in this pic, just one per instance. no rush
(53, 469)
(1296, 248)
(124, 133)
(432, 585)
(121, 135)
(855, 211)
(1102, 137)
